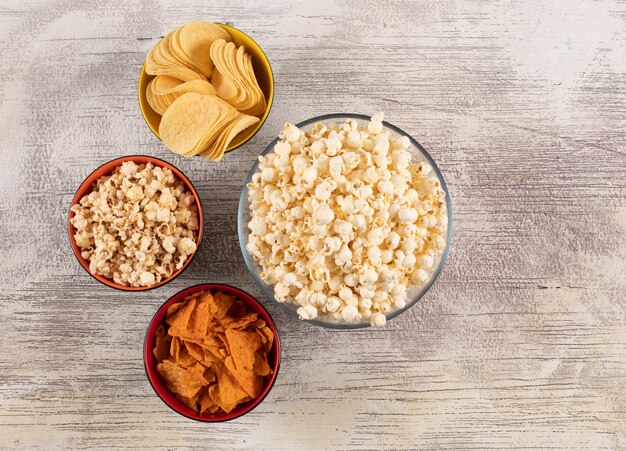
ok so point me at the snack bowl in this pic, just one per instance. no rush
(414, 294)
(87, 186)
(167, 396)
(262, 71)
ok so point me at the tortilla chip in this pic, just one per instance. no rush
(162, 345)
(190, 402)
(195, 350)
(185, 359)
(199, 320)
(243, 347)
(261, 367)
(175, 349)
(181, 317)
(240, 323)
(173, 309)
(212, 352)
(269, 335)
(179, 380)
(230, 392)
(207, 403)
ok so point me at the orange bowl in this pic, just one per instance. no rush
(262, 71)
(87, 186)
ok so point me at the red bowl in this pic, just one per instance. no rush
(167, 396)
(106, 169)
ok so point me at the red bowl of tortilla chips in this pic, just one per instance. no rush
(212, 357)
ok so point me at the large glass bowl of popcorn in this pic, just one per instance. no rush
(345, 221)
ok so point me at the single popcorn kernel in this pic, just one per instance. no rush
(343, 223)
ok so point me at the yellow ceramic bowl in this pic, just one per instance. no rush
(262, 71)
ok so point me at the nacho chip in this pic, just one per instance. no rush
(230, 392)
(199, 320)
(269, 335)
(184, 358)
(212, 352)
(175, 349)
(243, 346)
(195, 350)
(191, 402)
(261, 367)
(163, 341)
(240, 323)
(207, 403)
(181, 317)
(224, 302)
(182, 381)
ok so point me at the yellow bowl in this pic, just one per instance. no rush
(262, 71)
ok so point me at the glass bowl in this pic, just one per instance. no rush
(414, 294)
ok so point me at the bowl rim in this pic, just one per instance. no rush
(114, 164)
(270, 100)
(277, 349)
(267, 290)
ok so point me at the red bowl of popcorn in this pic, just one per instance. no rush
(135, 223)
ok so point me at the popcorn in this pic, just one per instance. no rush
(343, 223)
(378, 320)
(138, 225)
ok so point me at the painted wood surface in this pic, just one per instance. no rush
(520, 344)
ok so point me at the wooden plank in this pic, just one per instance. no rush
(521, 343)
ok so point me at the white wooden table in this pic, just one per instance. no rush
(520, 344)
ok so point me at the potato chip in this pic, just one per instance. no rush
(194, 42)
(201, 124)
(217, 150)
(212, 352)
(234, 79)
(164, 59)
(181, 63)
(164, 84)
(182, 73)
(189, 119)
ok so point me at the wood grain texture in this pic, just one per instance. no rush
(521, 343)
